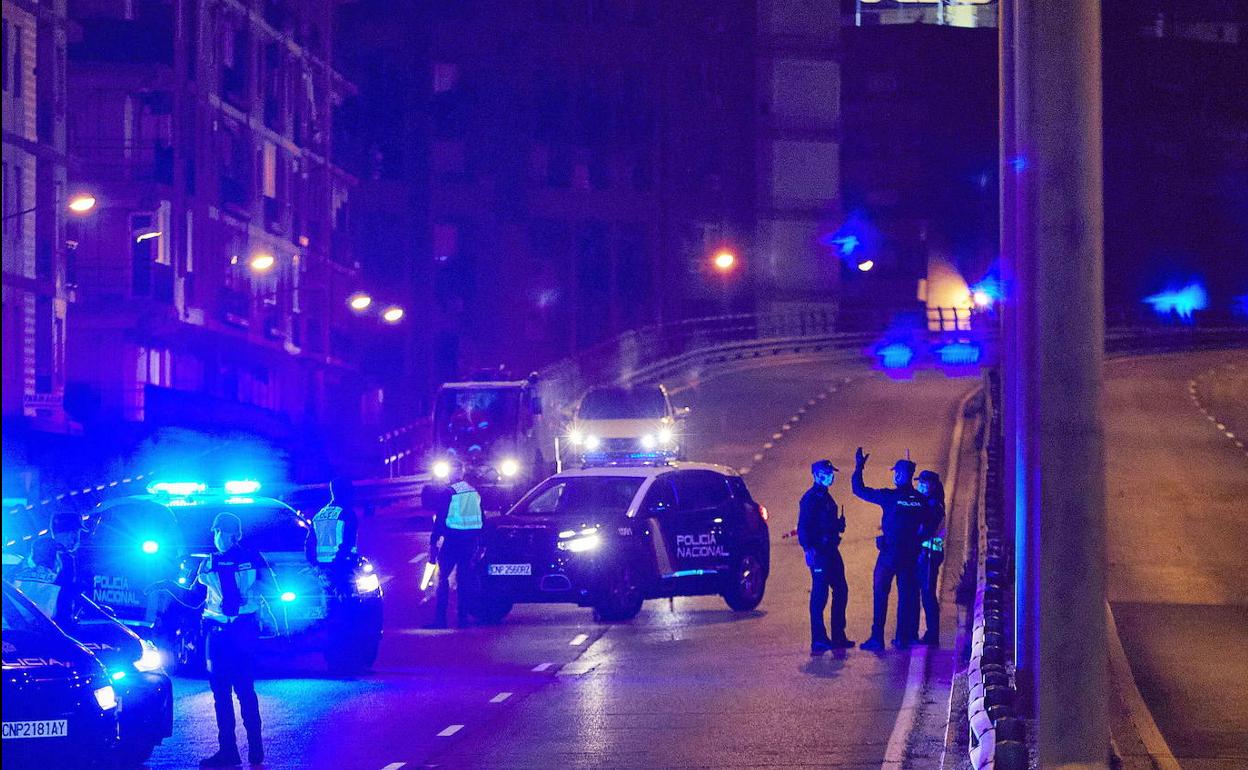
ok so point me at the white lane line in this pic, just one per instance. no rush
(450, 730)
(758, 456)
(768, 445)
(540, 667)
(895, 753)
(502, 696)
(578, 668)
(744, 471)
(394, 766)
(578, 640)
(1129, 693)
(1220, 426)
(777, 436)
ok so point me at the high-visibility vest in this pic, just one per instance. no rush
(465, 509)
(329, 529)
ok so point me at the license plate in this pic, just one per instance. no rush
(43, 728)
(511, 569)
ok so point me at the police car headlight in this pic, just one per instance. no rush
(666, 436)
(367, 583)
(509, 467)
(648, 441)
(442, 469)
(581, 543)
(106, 696)
(575, 437)
(150, 660)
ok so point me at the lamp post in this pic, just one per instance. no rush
(79, 204)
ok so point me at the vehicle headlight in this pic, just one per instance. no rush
(578, 542)
(150, 660)
(592, 442)
(648, 441)
(666, 435)
(509, 467)
(367, 583)
(442, 469)
(575, 437)
(106, 696)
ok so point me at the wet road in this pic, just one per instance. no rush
(688, 683)
(1176, 427)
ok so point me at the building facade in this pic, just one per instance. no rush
(212, 280)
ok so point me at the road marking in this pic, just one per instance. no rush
(744, 471)
(450, 730)
(578, 640)
(895, 753)
(758, 456)
(502, 696)
(540, 667)
(394, 766)
(768, 445)
(1120, 673)
(777, 436)
(579, 668)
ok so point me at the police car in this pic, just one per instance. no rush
(612, 537)
(59, 705)
(613, 424)
(139, 540)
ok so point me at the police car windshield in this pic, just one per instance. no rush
(466, 417)
(20, 617)
(580, 496)
(267, 526)
(622, 404)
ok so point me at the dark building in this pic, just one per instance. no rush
(1176, 152)
(919, 160)
(212, 281)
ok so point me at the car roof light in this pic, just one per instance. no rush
(242, 487)
(175, 488)
(150, 546)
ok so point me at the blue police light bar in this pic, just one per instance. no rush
(242, 487)
(959, 353)
(1182, 302)
(896, 355)
(175, 488)
(150, 547)
(288, 596)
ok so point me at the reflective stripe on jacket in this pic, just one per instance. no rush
(330, 529)
(465, 509)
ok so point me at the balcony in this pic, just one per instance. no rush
(234, 307)
(275, 215)
(235, 195)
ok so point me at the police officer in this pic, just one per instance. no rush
(932, 552)
(903, 510)
(232, 583)
(819, 531)
(331, 543)
(456, 531)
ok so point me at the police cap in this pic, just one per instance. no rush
(227, 522)
(823, 465)
(904, 465)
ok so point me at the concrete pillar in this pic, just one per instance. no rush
(1058, 322)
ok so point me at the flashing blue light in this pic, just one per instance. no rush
(1018, 163)
(897, 355)
(288, 596)
(847, 244)
(150, 547)
(181, 581)
(239, 500)
(175, 488)
(1241, 305)
(1180, 302)
(118, 676)
(959, 353)
(242, 487)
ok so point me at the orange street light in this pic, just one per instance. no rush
(392, 315)
(360, 302)
(262, 262)
(724, 260)
(82, 203)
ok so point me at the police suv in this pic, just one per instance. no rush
(612, 537)
(139, 540)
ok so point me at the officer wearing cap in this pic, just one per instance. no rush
(232, 583)
(819, 529)
(903, 511)
(932, 553)
(331, 541)
(456, 532)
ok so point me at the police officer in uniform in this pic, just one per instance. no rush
(819, 529)
(903, 511)
(331, 542)
(232, 583)
(932, 552)
(456, 532)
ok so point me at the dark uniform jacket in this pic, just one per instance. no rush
(818, 525)
(905, 512)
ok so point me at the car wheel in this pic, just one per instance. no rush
(353, 640)
(623, 597)
(491, 610)
(748, 582)
(134, 753)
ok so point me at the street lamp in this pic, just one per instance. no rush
(724, 260)
(79, 204)
(262, 262)
(866, 265)
(392, 315)
(360, 302)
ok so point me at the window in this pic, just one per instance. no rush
(700, 490)
(660, 498)
(17, 69)
(581, 496)
(4, 56)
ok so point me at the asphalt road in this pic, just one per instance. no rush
(1176, 427)
(688, 683)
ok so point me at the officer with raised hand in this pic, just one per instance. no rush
(456, 533)
(903, 511)
(331, 542)
(819, 529)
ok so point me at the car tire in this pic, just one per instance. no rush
(354, 639)
(623, 597)
(747, 583)
(134, 753)
(490, 610)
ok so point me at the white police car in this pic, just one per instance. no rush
(612, 537)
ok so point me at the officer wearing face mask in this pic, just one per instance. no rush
(819, 529)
